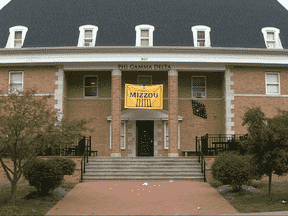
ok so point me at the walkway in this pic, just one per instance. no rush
(136, 198)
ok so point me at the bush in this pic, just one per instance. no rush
(43, 175)
(233, 169)
(66, 165)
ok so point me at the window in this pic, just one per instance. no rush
(16, 37)
(144, 35)
(87, 36)
(198, 89)
(272, 83)
(123, 133)
(90, 86)
(271, 37)
(201, 36)
(15, 82)
(166, 135)
(144, 79)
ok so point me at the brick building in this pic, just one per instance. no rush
(213, 60)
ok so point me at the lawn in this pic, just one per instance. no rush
(28, 203)
(248, 202)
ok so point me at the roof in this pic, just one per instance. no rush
(56, 23)
(144, 114)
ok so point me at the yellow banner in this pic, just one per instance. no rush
(143, 97)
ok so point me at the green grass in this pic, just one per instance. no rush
(28, 202)
(247, 202)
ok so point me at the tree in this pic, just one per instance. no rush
(268, 143)
(28, 126)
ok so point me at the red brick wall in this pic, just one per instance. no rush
(251, 80)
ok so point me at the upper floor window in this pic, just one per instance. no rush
(144, 79)
(16, 83)
(272, 38)
(201, 36)
(90, 86)
(16, 37)
(87, 35)
(272, 83)
(144, 35)
(198, 89)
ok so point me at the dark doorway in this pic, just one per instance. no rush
(145, 138)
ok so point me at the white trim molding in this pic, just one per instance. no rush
(259, 95)
(171, 55)
(201, 36)
(11, 42)
(91, 38)
(144, 32)
(59, 93)
(272, 38)
(229, 96)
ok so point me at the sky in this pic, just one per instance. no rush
(283, 2)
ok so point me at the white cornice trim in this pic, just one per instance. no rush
(136, 54)
(260, 95)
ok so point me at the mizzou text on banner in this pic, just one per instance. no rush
(143, 97)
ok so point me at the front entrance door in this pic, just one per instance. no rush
(145, 135)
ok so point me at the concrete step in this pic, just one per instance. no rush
(88, 173)
(154, 168)
(142, 168)
(148, 164)
(143, 178)
(142, 159)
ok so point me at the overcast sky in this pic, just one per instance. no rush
(283, 2)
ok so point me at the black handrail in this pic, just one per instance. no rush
(81, 171)
(205, 171)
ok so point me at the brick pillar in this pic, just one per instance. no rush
(116, 113)
(173, 112)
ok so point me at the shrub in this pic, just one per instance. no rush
(43, 175)
(67, 166)
(233, 169)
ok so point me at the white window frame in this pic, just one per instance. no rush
(84, 86)
(11, 72)
(138, 29)
(192, 93)
(267, 83)
(139, 76)
(11, 38)
(81, 40)
(123, 135)
(206, 30)
(276, 41)
(165, 135)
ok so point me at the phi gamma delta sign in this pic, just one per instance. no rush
(143, 97)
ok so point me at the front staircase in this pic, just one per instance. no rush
(142, 168)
